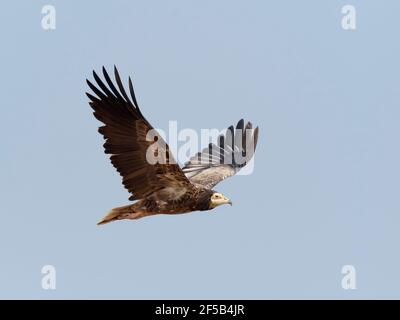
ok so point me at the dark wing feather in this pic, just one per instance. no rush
(125, 131)
(219, 161)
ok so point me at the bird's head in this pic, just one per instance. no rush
(218, 199)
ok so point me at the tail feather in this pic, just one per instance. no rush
(116, 214)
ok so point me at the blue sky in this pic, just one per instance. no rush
(324, 192)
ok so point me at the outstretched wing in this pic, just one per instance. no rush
(125, 130)
(233, 151)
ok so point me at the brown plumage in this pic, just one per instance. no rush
(162, 187)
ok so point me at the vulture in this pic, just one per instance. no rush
(157, 184)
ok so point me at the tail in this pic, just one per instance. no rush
(117, 214)
(131, 211)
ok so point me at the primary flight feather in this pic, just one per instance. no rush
(162, 187)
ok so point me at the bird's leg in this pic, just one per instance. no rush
(140, 209)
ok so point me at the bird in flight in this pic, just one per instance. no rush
(162, 187)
